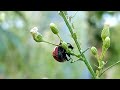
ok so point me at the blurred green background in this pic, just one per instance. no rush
(21, 57)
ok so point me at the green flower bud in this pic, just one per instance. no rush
(36, 35)
(54, 28)
(103, 63)
(107, 42)
(97, 72)
(64, 45)
(105, 32)
(94, 50)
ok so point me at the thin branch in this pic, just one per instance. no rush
(85, 50)
(109, 67)
(51, 43)
(74, 14)
(75, 60)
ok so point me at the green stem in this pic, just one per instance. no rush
(109, 67)
(75, 14)
(89, 67)
(51, 43)
(104, 50)
(77, 44)
(78, 56)
(101, 65)
(70, 29)
(75, 60)
(59, 37)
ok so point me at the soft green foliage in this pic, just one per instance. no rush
(112, 55)
(106, 44)
(22, 57)
(2, 17)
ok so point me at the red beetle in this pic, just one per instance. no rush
(60, 53)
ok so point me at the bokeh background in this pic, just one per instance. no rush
(23, 58)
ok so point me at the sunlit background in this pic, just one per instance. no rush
(21, 57)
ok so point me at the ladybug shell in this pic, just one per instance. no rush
(59, 54)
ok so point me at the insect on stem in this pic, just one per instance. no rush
(77, 44)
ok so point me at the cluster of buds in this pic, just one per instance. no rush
(106, 44)
(105, 32)
(105, 38)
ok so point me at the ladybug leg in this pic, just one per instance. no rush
(80, 59)
(73, 61)
(68, 56)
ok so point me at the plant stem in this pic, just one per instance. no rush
(77, 44)
(89, 67)
(78, 56)
(75, 14)
(75, 61)
(59, 37)
(110, 67)
(51, 43)
(70, 29)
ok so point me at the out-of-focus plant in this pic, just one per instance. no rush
(11, 53)
(63, 49)
(100, 58)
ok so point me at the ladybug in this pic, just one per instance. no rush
(60, 53)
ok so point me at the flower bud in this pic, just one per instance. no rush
(97, 72)
(107, 42)
(54, 28)
(34, 30)
(36, 35)
(103, 63)
(94, 50)
(105, 32)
